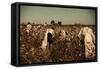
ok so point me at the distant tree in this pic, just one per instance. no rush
(52, 22)
(28, 22)
(77, 23)
(59, 23)
(33, 23)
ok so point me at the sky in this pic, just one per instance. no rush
(40, 15)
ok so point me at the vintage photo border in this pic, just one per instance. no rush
(19, 4)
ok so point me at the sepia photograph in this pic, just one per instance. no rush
(57, 34)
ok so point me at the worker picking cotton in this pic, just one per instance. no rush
(86, 34)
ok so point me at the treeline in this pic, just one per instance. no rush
(52, 22)
(59, 23)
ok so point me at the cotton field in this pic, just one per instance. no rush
(52, 43)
